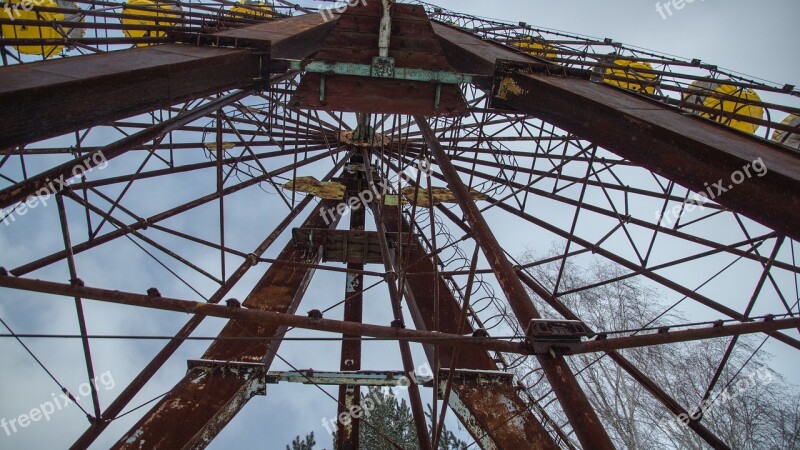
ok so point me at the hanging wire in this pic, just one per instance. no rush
(49, 373)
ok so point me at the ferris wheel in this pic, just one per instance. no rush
(342, 180)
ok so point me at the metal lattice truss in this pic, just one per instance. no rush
(184, 134)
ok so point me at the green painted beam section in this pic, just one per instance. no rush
(366, 70)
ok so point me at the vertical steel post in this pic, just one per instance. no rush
(350, 395)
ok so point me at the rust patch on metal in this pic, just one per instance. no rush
(331, 190)
(509, 86)
(438, 195)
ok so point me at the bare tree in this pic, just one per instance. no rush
(751, 407)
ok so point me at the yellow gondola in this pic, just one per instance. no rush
(718, 96)
(631, 75)
(18, 12)
(789, 138)
(158, 13)
(253, 9)
(536, 47)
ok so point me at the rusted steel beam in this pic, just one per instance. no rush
(671, 337)
(130, 391)
(469, 54)
(50, 98)
(688, 150)
(517, 427)
(576, 406)
(654, 389)
(485, 412)
(188, 415)
(259, 317)
(693, 152)
(290, 38)
(73, 275)
(53, 180)
(347, 436)
(133, 388)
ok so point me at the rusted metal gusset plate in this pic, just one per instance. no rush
(354, 40)
(490, 407)
(688, 150)
(197, 408)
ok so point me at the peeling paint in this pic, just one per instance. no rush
(212, 146)
(470, 422)
(509, 86)
(439, 195)
(135, 436)
(331, 190)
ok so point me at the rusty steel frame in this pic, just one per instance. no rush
(208, 309)
(396, 296)
(142, 79)
(300, 36)
(638, 375)
(487, 413)
(149, 371)
(642, 131)
(489, 417)
(22, 191)
(347, 435)
(639, 268)
(258, 316)
(629, 367)
(581, 414)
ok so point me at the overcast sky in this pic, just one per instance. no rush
(756, 38)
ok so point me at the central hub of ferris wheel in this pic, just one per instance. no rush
(374, 140)
(364, 136)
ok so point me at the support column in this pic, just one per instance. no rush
(350, 395)
(574, 402)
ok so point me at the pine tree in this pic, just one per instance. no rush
(306, 444)
(391, 419)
